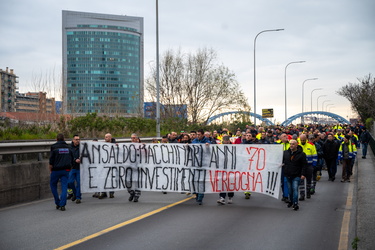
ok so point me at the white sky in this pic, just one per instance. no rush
(335, 38)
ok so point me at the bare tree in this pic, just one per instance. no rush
(361, 96)
(199, 82)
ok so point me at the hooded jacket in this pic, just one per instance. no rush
(295, 163)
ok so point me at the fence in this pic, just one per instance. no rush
(13, 151)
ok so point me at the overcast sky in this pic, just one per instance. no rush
(336, 38)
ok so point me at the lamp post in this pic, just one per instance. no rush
(286, 115)
(323, 104)
(303, 90)
(157, 73)
(317, 101)
(255, 93)
(328, 105)
(303, 94)
(312, 94)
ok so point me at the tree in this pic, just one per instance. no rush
(361, 96)
(196, 80)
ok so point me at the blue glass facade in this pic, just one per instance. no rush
(102, 64)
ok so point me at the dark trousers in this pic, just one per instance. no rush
(223, 195)
(332, 167)
(346, 169)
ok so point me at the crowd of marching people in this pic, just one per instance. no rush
(316, 146)
(308, 149)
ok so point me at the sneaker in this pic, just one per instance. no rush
(62, 208)
(312, 191)
(73, 198)
(230, 200)
(302, 198)
(342, 180)
(164, 192)
(221, 201)
(102, 196)
(131, 197)
(247, 196)
(333, 179)
(290, 204)
(136, 199)
(363, 157)
(111, 195)
(200, 203)
(318, 177)
(57, 207)
(95, 195)
(295, 207)
(69, 196)
(78, 201)
(287, 200)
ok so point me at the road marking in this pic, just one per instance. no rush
(121, 224)
(344, 234)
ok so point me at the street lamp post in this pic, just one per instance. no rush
(157, 73)
(303, 94)
(286, 115)
(303, 90)
(312, 94)
(330, 104)
(323, 104)
(317, 101)
(255, 93)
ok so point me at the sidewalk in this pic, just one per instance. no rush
(366, 200)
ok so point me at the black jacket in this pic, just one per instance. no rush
(365, 137)
(331, 149)
(61, 156)
(295, 163)
(75, 150)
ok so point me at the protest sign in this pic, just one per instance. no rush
(190, 168)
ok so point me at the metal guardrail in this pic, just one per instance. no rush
(43, 147)
(372, 144)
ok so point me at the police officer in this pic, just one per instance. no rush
(60, 163)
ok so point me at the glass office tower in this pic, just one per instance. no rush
(102, 64)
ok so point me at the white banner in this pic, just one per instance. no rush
(190, 168)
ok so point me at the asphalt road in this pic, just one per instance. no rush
(259, 223)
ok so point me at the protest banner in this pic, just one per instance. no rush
(190, 168)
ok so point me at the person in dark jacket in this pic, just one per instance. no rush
(364, 139)
(263, 139)
(74, 181)
(60, 163)
(201, 139)
(331, 152)
(135, 194)
(248, 139)
(294, 168)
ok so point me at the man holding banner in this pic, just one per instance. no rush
(202, 140)
(294, 168)
(134, 194)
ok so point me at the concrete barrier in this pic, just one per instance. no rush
(24, 182)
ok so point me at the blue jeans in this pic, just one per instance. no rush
(75, 176)
(293, 183)
(63, 176)
(364, 149)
